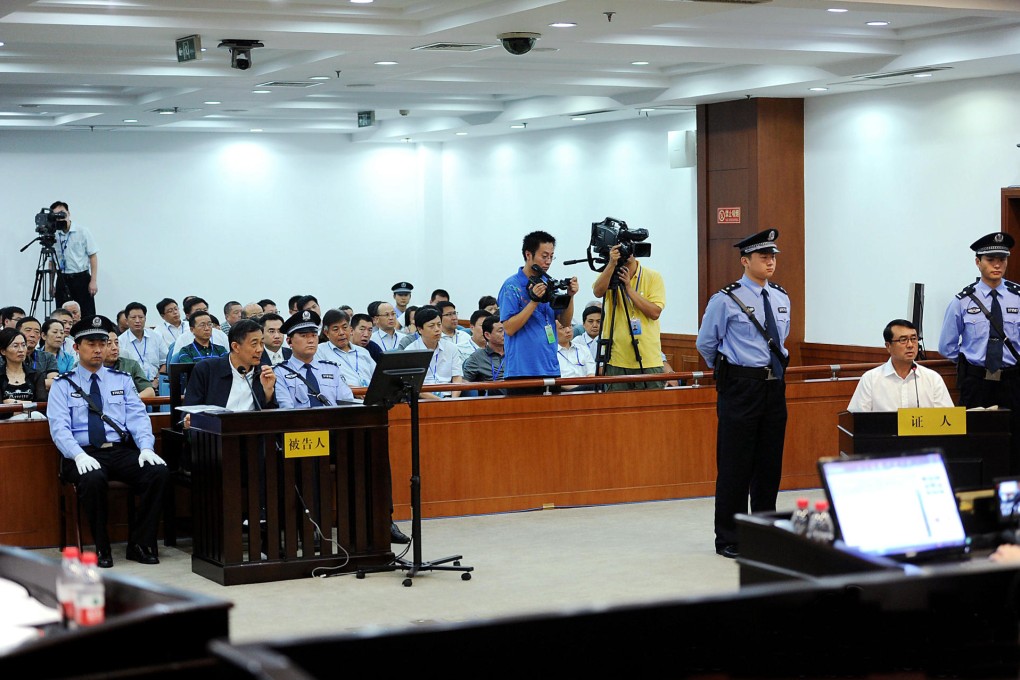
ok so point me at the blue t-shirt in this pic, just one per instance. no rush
(529, 352)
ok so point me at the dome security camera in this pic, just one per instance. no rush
(240, 52)
(518, 42)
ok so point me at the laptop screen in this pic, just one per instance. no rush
(894, 506)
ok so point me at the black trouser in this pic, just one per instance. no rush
(119, 463)
(749, 449)
(976, 391)
(76, 287)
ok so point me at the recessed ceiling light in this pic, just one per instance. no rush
(818, 89)
(461, 134)
(578, 118)
(203, 49)
(255, 130)
(922, 75)
(319, 78)
(877, 23)
(639, 63)
(130, 120)
(260, 91)
(1, 44)
(362, 2)
(519, 126)
(563, 24)
(645, 110)
(385, 63)
(167, 112)
(211, 103)
(837, 10)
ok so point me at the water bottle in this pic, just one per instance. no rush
(68, 579)
(800, 517)
(90, 599)
(820, 527)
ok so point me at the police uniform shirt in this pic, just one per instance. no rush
(726, 330)
(68, 412)
(292, 392)
(965, 329)
(74, 249)
(356, 364)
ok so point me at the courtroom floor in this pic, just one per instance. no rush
(525, 563)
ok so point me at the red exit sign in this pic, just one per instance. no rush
(728, 216)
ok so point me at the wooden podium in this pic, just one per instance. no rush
(973, 459)
(239, 459)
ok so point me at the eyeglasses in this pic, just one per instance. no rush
(204, 324)
(906, 340)
(448, 314)
(391, 315)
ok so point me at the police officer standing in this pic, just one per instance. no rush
(741, 337)
(100, 426)
(308, 382)
(981, 333)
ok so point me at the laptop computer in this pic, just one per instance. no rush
(903, 507)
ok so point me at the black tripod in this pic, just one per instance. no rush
(605, 343)
(45, 277)
(397, 384)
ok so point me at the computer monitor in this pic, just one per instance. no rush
(392, 370)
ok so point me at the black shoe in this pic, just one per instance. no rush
(141, 554)
(105, 560)
(398, 536)
(730, 550)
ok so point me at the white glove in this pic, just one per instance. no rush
(85, 463)
(149, 456)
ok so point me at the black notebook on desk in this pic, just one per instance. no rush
(900, 507)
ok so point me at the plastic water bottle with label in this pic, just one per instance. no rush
(800, 518)
(820, 526)
(68, 579)
(90, 599)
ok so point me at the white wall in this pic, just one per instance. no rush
(257, 216)
(898, 183)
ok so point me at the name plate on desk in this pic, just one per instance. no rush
(914, 422)
(305, 444)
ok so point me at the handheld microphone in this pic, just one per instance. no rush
(243, 370)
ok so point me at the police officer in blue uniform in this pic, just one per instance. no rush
(981, 325)
(742, 338)
(118, 446)
(308, 382)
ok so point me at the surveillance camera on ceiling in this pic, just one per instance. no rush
(240, 52)
(518, 42)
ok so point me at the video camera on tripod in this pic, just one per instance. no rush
(558, 301)
(47, 224)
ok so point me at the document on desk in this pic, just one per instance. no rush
(19, 614)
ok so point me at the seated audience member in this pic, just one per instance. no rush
(592, 324)
(292, 304)
(401, 298)
(9, 316)
(900, 382)
(575, 362)
(579, 326)
(275, 353)
(309, 302)
(348, 310)
(486, 365)
(228, 380)
(408, 326)
(122, 324)
(193, 304)
(95, 451)
(170, 326)
(37, 360)
(268, 306)
(18, 382)
(231, 315)
(356, 364)
(304, 378)
(144, 344)
(64, 317)
(489, 304)
(451, 331)
(361, 334)
(438, 295)
(113, 359)
(385, 321)
(253, 311)
(201, 346)
(445, 366)
(75, 310)
(477, 337)
(53, 343)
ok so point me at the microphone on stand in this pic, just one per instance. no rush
(243, 370)
(917, 395)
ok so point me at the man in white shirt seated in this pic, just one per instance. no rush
(575, 362)
(445, 366)
(592, 324)
(356, 364)
(143, 344)
(900, 382)
(453, 332)
(170, 325)
(384, 321)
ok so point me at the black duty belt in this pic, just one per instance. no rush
(972, 371)
(753, 373)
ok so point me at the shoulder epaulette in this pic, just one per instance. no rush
(331, 363)
(967, 290)
(1012, 287)
(118, 371)
(65, 376)
(730, 288)
(778, 287)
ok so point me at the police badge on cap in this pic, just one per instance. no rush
(997, 244)
(762, 242)
(97, 327)
(306, 320)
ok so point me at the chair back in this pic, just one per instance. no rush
(179, 376)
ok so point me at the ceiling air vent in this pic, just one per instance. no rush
(287, 83)
(732, 2)
(904, 72)
(453, 47)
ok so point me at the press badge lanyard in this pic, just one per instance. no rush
(577, 356)
(63, 253)
(382, 342)
(170, 330)
(495, 369)
(145, 347)
(342, 354)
